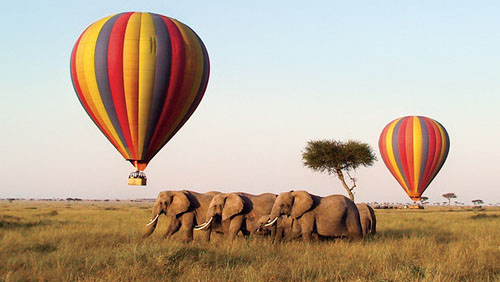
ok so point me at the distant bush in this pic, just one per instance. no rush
(52, 213)
(483, 216)
(42, 248)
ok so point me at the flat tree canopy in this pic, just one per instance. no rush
(335, 157)
(449, 196)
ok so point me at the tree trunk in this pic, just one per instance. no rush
(341, 177)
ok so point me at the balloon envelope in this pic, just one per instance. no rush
(414, 148)
(139, 76)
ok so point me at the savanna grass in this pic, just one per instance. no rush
(102, 242)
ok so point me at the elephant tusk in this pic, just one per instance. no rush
(204, 225)
(153, 220)
(269, 223)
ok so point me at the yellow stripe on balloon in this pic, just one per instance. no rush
(80, 73)
(87, 79)
(147, 65)
(390, 154)
(417, 152)
(130, 75)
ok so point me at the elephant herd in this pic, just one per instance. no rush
(287, 216)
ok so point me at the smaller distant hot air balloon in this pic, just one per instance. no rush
(414, 148)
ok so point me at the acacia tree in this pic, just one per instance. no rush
(449, 196)
(335, 157)
(478, 202)
(423, 200)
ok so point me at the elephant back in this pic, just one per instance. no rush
(337, 215)
(200, 202)
(258, 205)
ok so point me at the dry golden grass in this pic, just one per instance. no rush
(55, 241)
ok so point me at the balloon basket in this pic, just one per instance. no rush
(137, 178)
(416, 207)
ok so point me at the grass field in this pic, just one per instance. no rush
(84, 241)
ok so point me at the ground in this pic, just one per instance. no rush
(90, 241)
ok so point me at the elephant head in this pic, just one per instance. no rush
(170, 203)
(222, 207)
(293, 204)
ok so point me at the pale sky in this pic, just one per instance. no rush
(282, 73)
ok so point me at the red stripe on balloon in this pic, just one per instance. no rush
(115, 73)
(74, 75)
(173, 102)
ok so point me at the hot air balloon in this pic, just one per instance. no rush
(139, 76)
(414, 148)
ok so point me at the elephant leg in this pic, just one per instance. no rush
(187, 226)
(174, 225)
(284, 234)
(306, 223)
(354, 229)
(235, 226)
(252, 235)
(273, 233)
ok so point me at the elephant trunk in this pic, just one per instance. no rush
(275, 213)
(152, 224)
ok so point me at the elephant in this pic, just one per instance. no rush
(185, 209)
(367, 218)
(331, 216)
(285, 228)
(231, 213)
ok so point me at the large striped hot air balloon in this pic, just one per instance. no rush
(139, 76)
(414, 149)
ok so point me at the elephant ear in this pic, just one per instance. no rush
(302, 202)
(179, 203)
(232, 206)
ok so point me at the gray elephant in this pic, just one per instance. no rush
(184, 208)
(231, 213)
(367, 218)
(331, 216)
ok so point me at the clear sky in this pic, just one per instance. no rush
(282, 73)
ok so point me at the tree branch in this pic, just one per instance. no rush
(353, 181)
